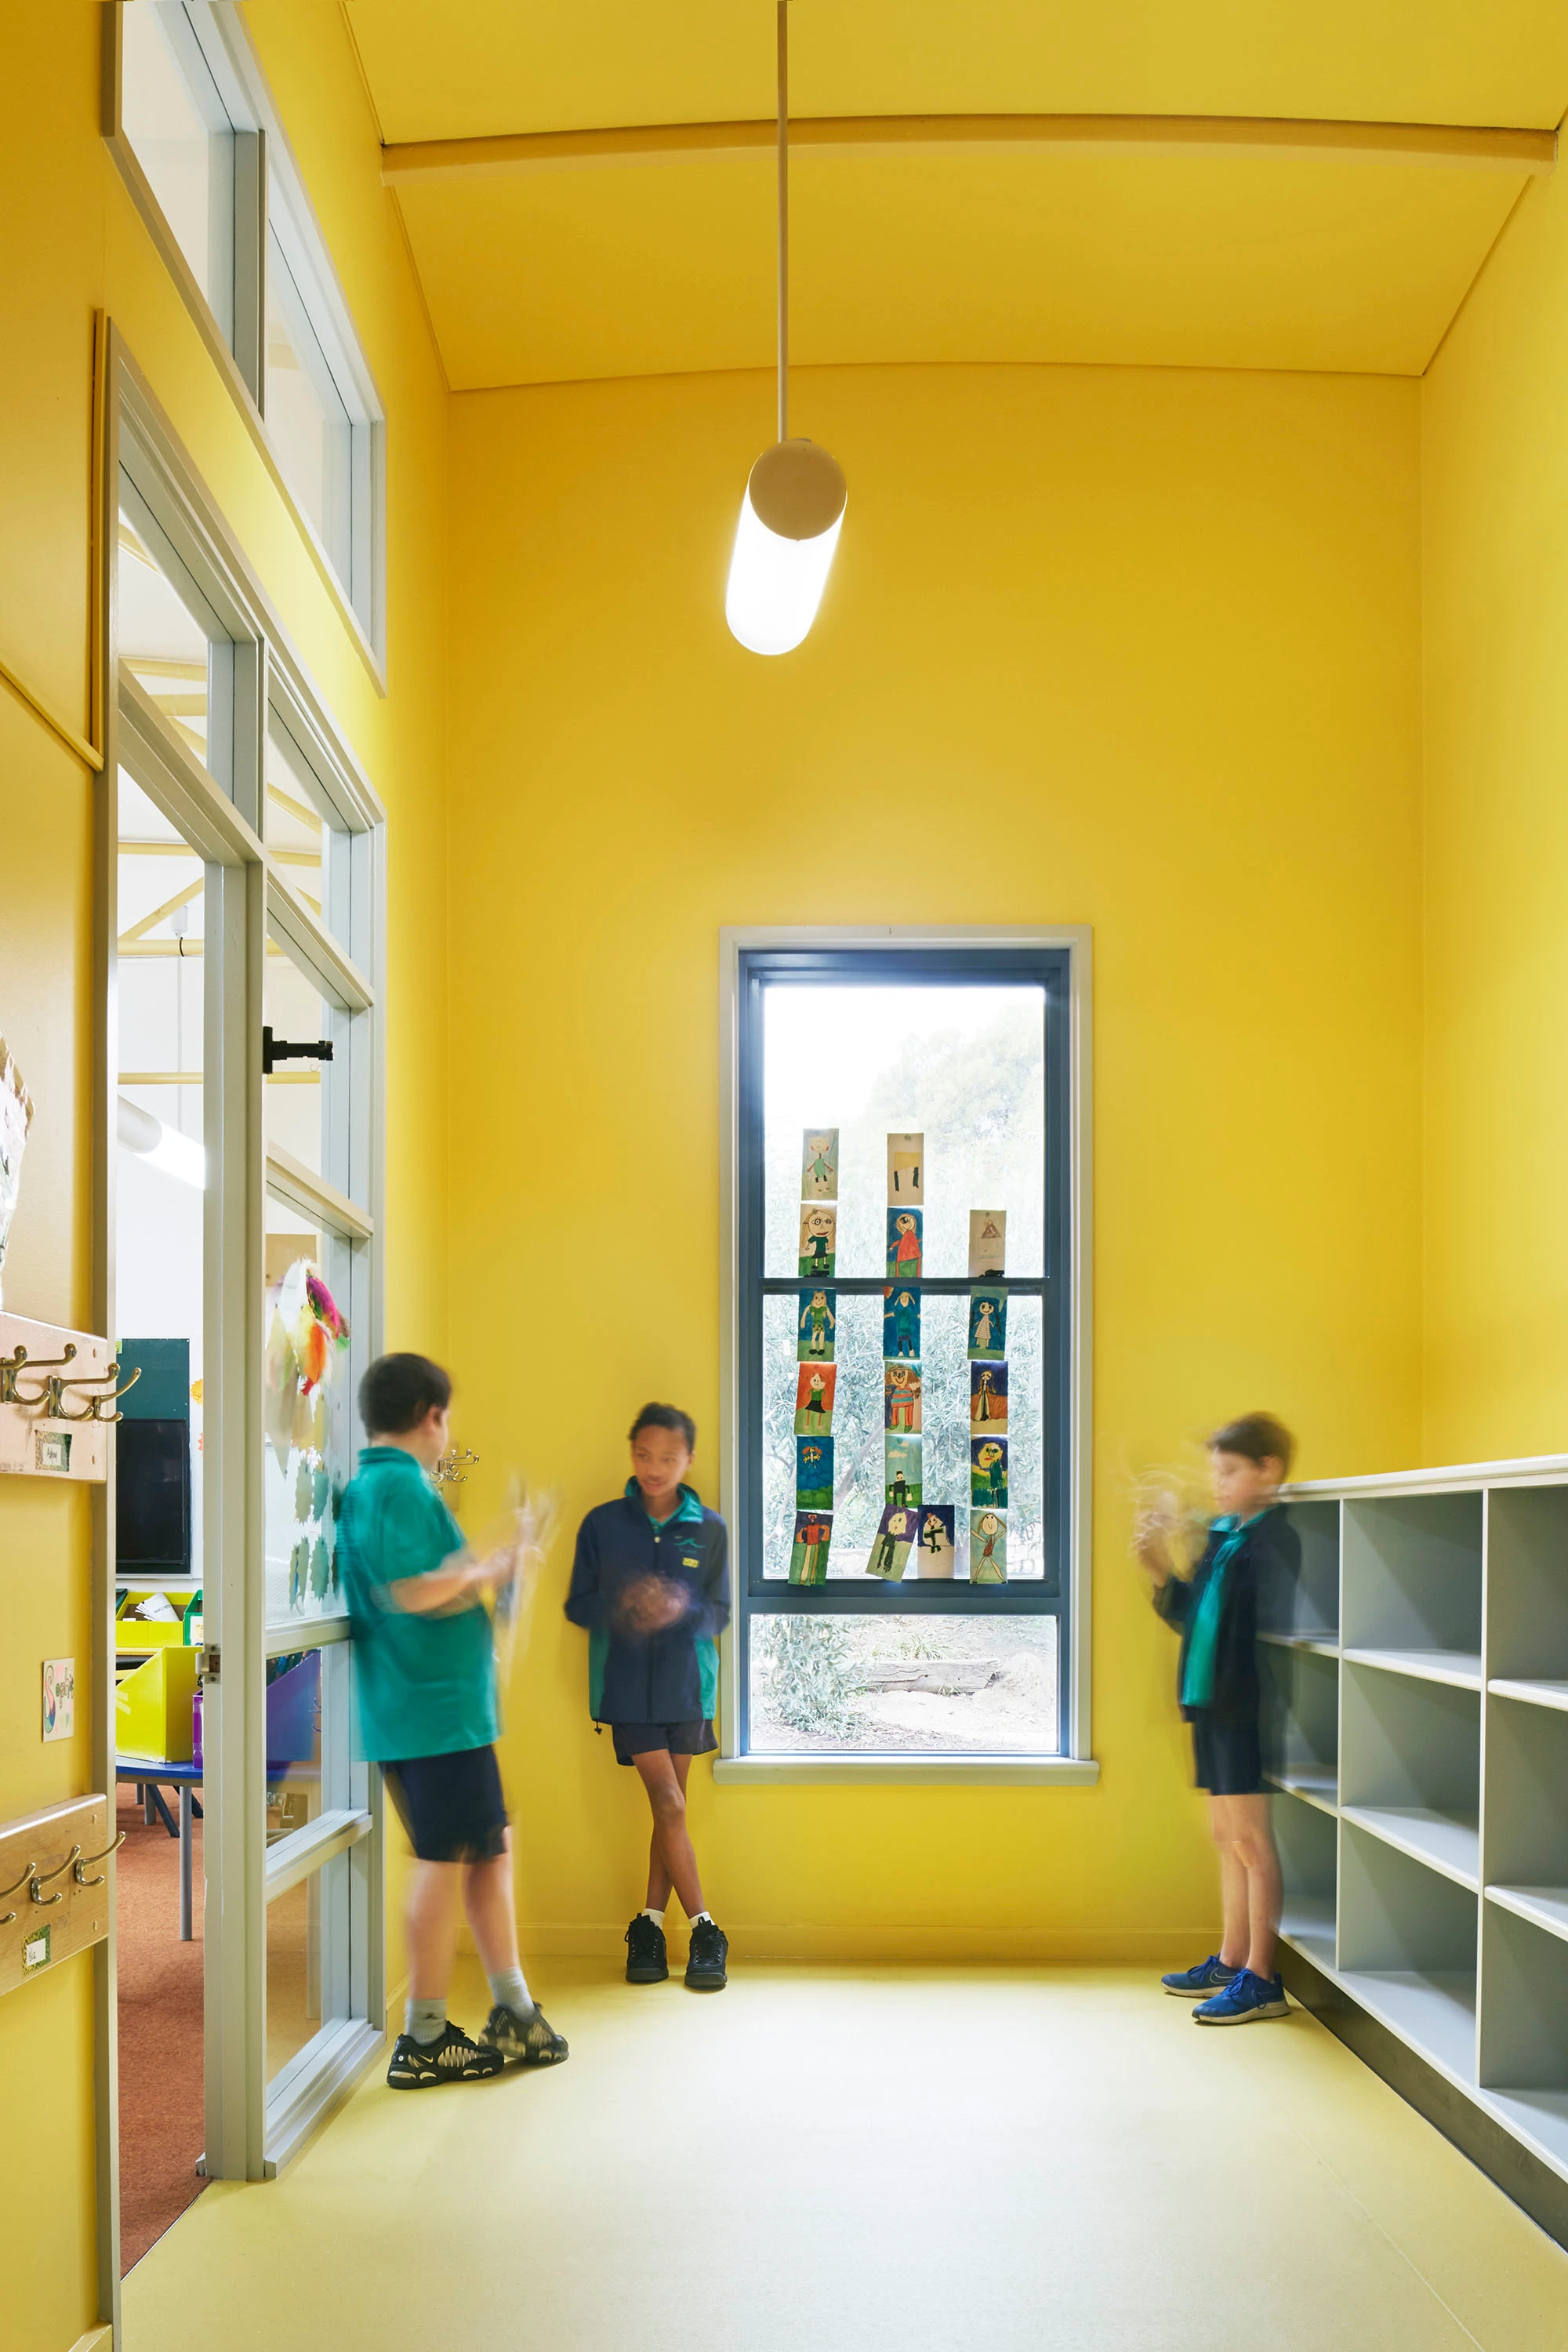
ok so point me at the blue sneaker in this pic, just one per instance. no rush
(1245, 1998)
(1196, 1984)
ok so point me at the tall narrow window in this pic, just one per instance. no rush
(183, 137)
(903, 1514)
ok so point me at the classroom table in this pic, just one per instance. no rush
(187, 1779)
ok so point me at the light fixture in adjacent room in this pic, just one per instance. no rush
(794, 507)
(161, 1146)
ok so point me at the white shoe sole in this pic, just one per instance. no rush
(1184, 1992)
(1247, 2016)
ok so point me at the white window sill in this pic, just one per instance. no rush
(909, 1771)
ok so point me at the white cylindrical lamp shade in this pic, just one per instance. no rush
(790, 519)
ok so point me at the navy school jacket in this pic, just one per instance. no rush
(1268, 1562)
(671, 1676)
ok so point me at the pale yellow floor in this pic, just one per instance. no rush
(870, 2161)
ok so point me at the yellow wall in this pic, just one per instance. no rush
(1495, 495)
(71, 242)
(1137, 649)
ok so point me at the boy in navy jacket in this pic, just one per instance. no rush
(1217, 1684)
(651, 1583)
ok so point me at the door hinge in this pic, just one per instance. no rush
(209, 1663)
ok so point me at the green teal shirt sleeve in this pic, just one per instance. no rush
(414, 1534)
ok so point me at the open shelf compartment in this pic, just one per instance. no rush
(1527, 1811)
(1410, 1768)
(1408, 1949)
(1410, 1583)
(1308, 1858)
(1527, 1595)
(1304, 1606)
(1524, 2030)
(1300, 1692)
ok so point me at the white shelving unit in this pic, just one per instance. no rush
(1416, 1686)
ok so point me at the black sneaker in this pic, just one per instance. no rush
(532, 2041)
(453, 2059)
(646, 1959)
(705, 1970)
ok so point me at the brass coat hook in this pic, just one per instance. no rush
(42, 1878)
(7, 1917)
(13, 1367)
(78, 1874)
(95, 1405)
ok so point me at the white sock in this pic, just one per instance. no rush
(705, 1919)
(649, 1913)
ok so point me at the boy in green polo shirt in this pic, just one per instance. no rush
(425, 1668)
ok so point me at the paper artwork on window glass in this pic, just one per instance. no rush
(988, 1323)
(902, 1461)
(988, 1472)
(819, 1164)
(961, 1066)
(162, 644)
(306, 417)
(936, 1545)
(814, 1400)
(987, 1243)
(814, 1473)
(304, 1411)
(904, 1244)
(818, 1227)
(817, 1323)
(987, 1548)
(861, 1428)
(987, 1396)
(901, 1322)
(894, 1541)
(906, 1170)
(809, 1553)
(901, 1397)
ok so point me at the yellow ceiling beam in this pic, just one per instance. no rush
(1451, 146)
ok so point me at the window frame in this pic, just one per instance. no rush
(1058, 958)
(266, 195)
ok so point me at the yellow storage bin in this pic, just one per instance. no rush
(154, 1632)
(152, 1707)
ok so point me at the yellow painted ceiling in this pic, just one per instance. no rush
(1149, 257)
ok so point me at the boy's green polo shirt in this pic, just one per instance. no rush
(426, 1685)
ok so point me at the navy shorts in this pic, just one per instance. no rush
(634, 1739)
(451, 1806)
(1227, 1757)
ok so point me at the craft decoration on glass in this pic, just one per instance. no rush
(901, 1322)
(902, 1397)
(814, 1473)
(988, 1472)
(936, 1544)
(814, 1400)
(15, 1118)
(809, 1553)
(988, 1324)
(987, 1397)
(906, 1170)
(987, 1548)
(819, 1164)
(894, 1541)
(904, 1243)
(901, 1460)
(818, 1234)
(816, 1320)
(987, 1244)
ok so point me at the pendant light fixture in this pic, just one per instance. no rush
(794, 506)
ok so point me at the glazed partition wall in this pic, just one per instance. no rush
(1416, 1696)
